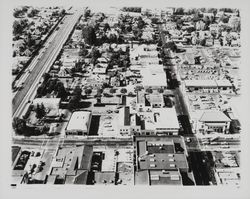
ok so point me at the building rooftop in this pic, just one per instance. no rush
(200, 83)
(100, 70)
(69, 161)
(140, 97)
(160, 118)
(80, 178)
(155, 155)
(165, 177)
(207, 83)
(214, 116)
(156, 98)
(142, 178)
(167, 117)
(223, 83)
(154, 76)
(111, 100)
(124, 116)
(104, 178)
(79, 120)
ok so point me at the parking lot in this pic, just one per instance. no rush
(203, 102)
(108, 126)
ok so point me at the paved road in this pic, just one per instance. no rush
(51, 143)
(198, 167)
(48, 57)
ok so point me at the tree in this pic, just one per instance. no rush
(89, 35)
(77, 92)
(17, 12)
(154, 20)
(61, 91)
(32, 12)
(129, 28)
(63, 12)
(83, 52)
(17, 28)
(179, 11)
(106, 27)
(46, 77)
(95, 55)
(87, 13)
(149, 90)
(171, 45)
(112, 90)
(73, 103)
(40, 111)
(19, 125)
(99, 91)
(140, 24)
(30, 42)
(88, 91)
(160, 90)
(123, 90)
(138, 88)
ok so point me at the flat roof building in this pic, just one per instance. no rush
(79, 123)
(71, 165)
(160, 161)
(154, 76)
(208, 85)
(159, 121)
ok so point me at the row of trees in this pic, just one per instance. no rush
(52, 84)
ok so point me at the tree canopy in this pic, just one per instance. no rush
(89, 35)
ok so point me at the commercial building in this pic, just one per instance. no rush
(127, 122)
(79, 123)
(160, 121)
(213, 121)
(156, 121)
(227, 167)
(160, 162)
(71, 165)
(156, 100)
(208, 86)
(153, 76)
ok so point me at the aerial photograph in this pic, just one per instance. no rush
(126, 96)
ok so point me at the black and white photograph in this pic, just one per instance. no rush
(128, 95)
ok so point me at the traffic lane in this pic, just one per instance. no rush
(180, 98)
(192, 143)
(199, 169)
(185, 123)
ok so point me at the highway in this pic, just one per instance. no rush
(43, 64)
(51, 143)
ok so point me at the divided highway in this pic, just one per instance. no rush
(45, 61)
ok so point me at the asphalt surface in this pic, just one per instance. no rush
(46, 60)
(199, 169)
(51, 143)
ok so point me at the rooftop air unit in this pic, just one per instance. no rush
(172, 165)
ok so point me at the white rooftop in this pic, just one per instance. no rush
(79, 120)
(214, 116)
